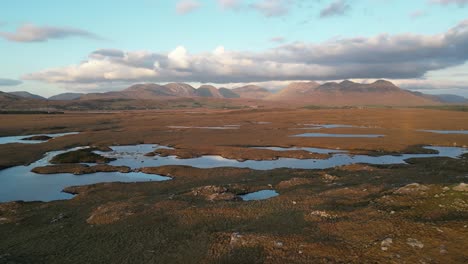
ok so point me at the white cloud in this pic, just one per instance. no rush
(383, 56)
(460, 3)
(272, 8)
(186, 6)
(229, 4)
(336, 8)
(178, 58)
(33, 33)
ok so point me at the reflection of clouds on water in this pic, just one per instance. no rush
(19, 183)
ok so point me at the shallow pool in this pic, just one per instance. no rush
(259, 195)
(19, 183)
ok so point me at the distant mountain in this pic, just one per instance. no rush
(451, 98)
(295, 91)
(252, 91)
(66, 96)
(347, 92)
(228, 93)
(6, 97)
(155, 91)
(27, 95)
(331, 93)
(208, 91)
(180, 89)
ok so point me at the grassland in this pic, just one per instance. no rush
(350, 214)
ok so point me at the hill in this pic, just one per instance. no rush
(295, 91)
(66, 96)
(27, 95)
(350, 93)
(252, 91)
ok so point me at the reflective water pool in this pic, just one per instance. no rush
(463, 132)
(19, 183)
(209, 127)
(259, 195)
(125, 157)
(312, 150)
(339, 135)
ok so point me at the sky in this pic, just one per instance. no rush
(49, 47)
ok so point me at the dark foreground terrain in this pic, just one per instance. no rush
(403, 213)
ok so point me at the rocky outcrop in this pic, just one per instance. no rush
(215, 193)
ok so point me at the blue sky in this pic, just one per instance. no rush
(49, 46)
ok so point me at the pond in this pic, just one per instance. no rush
(462, 132)
(19, 183)
(323, 135)
(259, 195)
(311, 150)
(126, 157)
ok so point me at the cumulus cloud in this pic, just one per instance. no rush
(382, 56)
(272, 8)
(186, 6)
(9, 82)
(460, 3)
(336, 8)
(33, 33)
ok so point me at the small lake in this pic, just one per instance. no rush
(311, 150)
(325, 135)
(19, 183)
(259, 195)
(322, 126)
(209, 127)
(126, 157)
(461, 132)
(19, 139)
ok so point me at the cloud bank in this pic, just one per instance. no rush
(400, 56)
(336, 8)
(460, 3)
(9, 82)
(33, 33)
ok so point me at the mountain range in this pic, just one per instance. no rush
(380, 92)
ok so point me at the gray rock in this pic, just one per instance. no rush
(414, 243)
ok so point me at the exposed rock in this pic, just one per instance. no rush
(39, 138)
(462, 187)
(294, 182)
(279, 244)
(58, 218)
(110, 213)
(412, 188)
(329, 178)
(235, 238)
(323, 214)
(386, 243)
(414, 243)
(215, 193)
